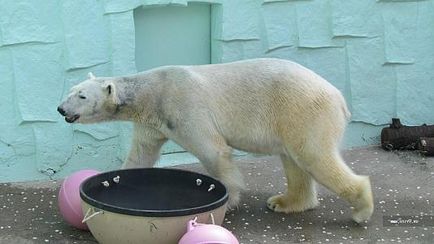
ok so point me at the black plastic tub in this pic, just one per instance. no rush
(153, 192)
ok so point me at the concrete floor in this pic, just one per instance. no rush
(403, 184)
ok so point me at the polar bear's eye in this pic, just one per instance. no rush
(81, 97)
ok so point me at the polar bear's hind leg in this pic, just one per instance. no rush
(301, 192)
(319, 156)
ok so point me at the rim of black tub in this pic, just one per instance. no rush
(206, 181)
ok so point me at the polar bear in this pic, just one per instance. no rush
(268, 106)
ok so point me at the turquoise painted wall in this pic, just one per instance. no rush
(172, 35)
(378, 53)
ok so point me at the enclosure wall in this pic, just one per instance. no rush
(378, 53)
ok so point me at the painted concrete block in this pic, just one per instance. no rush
(87, 39)
(314, 30)
(15, 142)
(150, 3)
(172, 35)
(38, 81)
(122, 43)
(241, 20)
(414, 104)
(423, 33)
(290, 53)
(238, 50)
(355, 18)
(171, 147)
(115, 6)
(90, 153)
(20, 139)
(165, 2)
(7, 153)
(359, 133)
(400, 25)
(20, 169)
(53, 142)
(252, 49)
(231, 51)
(30, 21)
(100, 131)
(392, 1)
(275, 1)
(280, 25)
(213, 2)
(330, 63)
(7, 108)
(373, 86)
(1, 38)
(415, 82)
(217, 25)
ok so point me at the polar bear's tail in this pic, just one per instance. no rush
(346, 111)
(344, 108)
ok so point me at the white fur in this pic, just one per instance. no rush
(266, 106)
(91, 76)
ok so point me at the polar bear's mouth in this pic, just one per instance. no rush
(72, 119)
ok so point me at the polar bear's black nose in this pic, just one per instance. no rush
(61, 111)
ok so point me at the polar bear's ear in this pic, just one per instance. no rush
(91, 76)
(111, 92)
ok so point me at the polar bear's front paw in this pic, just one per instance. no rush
(283, 204)
(278, 204)
(234, 200)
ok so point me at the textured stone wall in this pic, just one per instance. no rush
(378, 53)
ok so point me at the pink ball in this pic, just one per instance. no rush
(207, 234)
(69, 198)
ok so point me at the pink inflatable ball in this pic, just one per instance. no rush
(69, 198)
(207, 234)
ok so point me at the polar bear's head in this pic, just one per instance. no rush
(93, 100)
